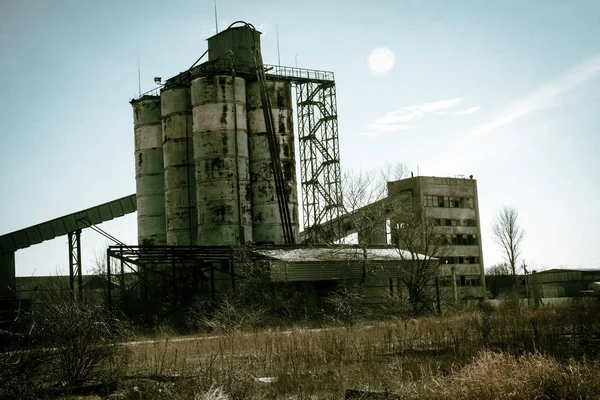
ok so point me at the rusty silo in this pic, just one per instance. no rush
(178, 153)
(266, 219)
(149, 174)
(221, 160)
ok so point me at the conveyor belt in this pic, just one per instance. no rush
(35, 234)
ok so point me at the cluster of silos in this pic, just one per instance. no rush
(203, 164)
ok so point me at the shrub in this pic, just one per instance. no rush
(502, 376)
(83, 342)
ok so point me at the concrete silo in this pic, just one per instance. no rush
(221, 160)
(149, 174)
(178, 153)
(266, 219)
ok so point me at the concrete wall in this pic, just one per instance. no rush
(178, 152)
(266, 219)
(422, 186)
(221, 160)
(149, 172)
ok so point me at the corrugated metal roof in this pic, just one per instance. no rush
(35, 234)
(579, 269)
(311, 254)
(334, 263)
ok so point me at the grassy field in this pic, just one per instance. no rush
(488, 353)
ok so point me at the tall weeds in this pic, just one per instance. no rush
(450, 357)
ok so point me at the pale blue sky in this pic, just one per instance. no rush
(508, 91)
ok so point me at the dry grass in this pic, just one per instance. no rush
(437, 357)
(502, 376)
(509, 352)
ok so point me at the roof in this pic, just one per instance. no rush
(35, 234)
(335, 253)
(586, 269)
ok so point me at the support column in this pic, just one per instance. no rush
(108, 278)
(454, 288)
(7, 275)
(75, 269)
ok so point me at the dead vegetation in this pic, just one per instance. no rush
(505, 352)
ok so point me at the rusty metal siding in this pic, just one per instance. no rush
(334, 270)
(241, 41)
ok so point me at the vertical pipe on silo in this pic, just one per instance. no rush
(266, 221)
(221, 160)
(149, 173)
(178, 152)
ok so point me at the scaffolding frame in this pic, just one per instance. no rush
(320, 172)
(180, 271)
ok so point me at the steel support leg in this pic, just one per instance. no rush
(75, 264)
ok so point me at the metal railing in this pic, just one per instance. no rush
(300, 73)
(152, 92)
(291, 73)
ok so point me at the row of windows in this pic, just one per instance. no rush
(462, 281)
(459, 239)
(454, 222)
(459, 260)
(448, 202)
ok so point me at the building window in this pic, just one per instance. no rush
(462, 260)
(458, 239)
(430, 201)
(454, 222)
(448, 201)
(472, 281)
(471, 240)
(465, 281)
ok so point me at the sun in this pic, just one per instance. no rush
(381, 60)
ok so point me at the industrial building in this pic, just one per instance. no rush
(215, 171)
(560, 283)
(452, 206)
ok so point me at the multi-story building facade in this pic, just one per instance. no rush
(452, 207)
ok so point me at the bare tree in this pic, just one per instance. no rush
(365, 204)
(509, 235)
(414, 234)
(500, 269)
(369, 210)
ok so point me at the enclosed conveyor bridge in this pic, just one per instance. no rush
(70, 225)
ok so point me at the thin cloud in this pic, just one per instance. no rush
(468, 111)
(397, 120)
(375, 129)
(543, 97)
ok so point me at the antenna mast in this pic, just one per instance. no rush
(216, 24)
(139, 77)
(278, 57)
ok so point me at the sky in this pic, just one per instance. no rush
(507, 91)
